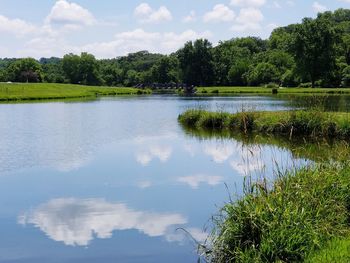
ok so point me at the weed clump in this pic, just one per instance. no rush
(299, 214)
(312, 123)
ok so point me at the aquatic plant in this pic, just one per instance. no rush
(301, 212)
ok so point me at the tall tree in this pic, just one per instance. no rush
(196, 62)
(314, 48)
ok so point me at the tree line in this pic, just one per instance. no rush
(315, 52)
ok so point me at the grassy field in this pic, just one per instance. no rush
(47, 91)
(262, 90)
(311, 123)
(50, 91)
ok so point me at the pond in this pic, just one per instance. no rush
(118, 180)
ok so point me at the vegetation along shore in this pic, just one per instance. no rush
(311, 123)
(303, 215)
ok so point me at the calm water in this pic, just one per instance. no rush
(113, 180)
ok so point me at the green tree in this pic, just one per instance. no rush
(314, 48)
(196, 62)
(25, 70)
(71, 68)
(83, 69)
(89, 69)
(263, 73)
(166, 70)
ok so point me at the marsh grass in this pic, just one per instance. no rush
(300, 213)
(311, 123)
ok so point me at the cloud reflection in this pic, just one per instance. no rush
(219, 152)
(195, 180)
(76, 222)
(163, 153)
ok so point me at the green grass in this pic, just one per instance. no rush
(338, 251)
(304, 214)
(312, 123)
(263, 90)
(288, 222)
(48, 91)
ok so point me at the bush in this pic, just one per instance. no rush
(272, 85)
(305, 85)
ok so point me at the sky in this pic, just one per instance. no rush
(111, 28)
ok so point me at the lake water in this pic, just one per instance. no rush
(117, 179)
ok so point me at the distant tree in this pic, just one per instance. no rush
(314, 48)
(71, 68)
(83, 69)
(166, 70)
(263, 73)
(111, 74)
(230, 56)
(238, 70)
(132, 78)
(89, 69)
(196, 62)
(25, 70)
(52, 70)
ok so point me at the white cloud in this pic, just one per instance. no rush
(77, 222)
(16, 27)
(220, 13)
(190, 18)
(64, 12)
(147, 14)
(195, 180)
(318, 8)
(248, 3)
(136, 40)
(249, 19)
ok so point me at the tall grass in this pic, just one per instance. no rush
(299, 214)
(311, 123)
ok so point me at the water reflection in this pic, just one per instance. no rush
(195, 180)
(163, 153)
(133, 147)
(79, 221)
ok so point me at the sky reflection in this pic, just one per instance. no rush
(76, 222)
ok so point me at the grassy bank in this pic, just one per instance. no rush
(290, 222)
(47, 91)
(285, 123)
(263, 90)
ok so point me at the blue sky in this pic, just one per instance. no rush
(109, 28)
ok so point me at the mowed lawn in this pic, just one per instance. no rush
(42, 91)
